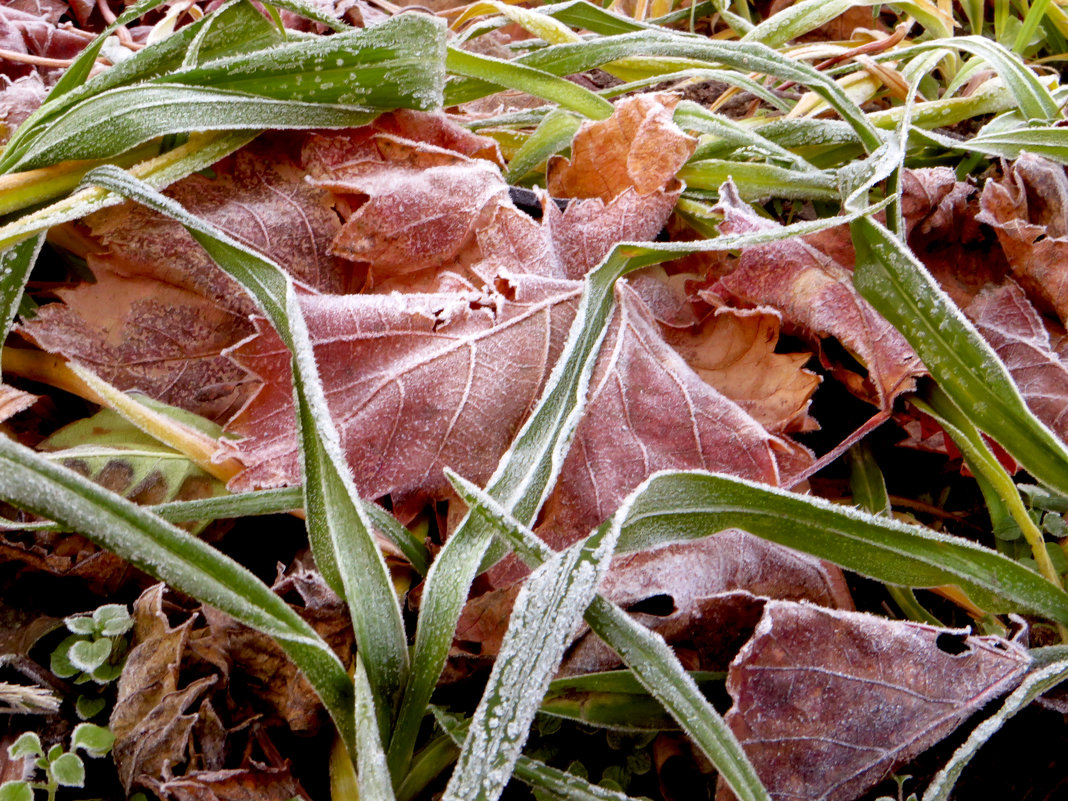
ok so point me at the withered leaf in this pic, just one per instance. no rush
(1028, 209)
(733, 350)
(815, 295)
(827, 703)
(1008, 321)
(13, 401)
(638, 147)
(149, 721)
(255, 783)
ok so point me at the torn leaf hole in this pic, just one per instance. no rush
(952, 644)
(661, 605)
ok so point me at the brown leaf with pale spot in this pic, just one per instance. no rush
(638, 147)
(733, 350)
(827, 703)
(138, 333)
(815, 295)
(1028, 209)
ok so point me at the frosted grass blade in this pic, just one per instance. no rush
(755, 180)
(372, 775)
(1038, 681)
(800, 18)
(652, 661)
(676, 506)
(15, 265)
(338, 528)
(552, 135)
(546, 611)
(32, 482)
(890, 278)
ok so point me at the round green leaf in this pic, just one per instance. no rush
(60, 661)
(15, 791)
(89, 706)
(96, 740)
(80, 624)
(112, 620)
(68, 770)
(88, 655)
(27, 745)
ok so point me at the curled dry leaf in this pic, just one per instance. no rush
(827, 703)
(815, 295)
(638, 147)
(1028, 208)
(13, 401)
(254, 783)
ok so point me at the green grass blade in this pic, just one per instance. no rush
(338, 528)
(32, 482)
(890, 278)
(1048, 141)
(553, 134)
(201, 151)
(806, 16)
(652, 661)
(516, 75)
(559, 784)
(755, 180)
(15, 265)
(287, 499)
(1038, 681)
(675, 506)
(546, 611)
(109, 124)
(312, 12)
(745, 57)
(1032, 95)
(372, 775)
(695, 118)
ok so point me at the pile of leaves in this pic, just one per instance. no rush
(477, 370)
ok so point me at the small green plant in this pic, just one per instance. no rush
(61, 768)
(95, 651)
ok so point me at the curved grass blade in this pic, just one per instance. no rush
(234, 27)
(675, 506)
(338, 527)
(372, 775)
(693, 117)
(516, 75)
(560, 784)
(746, 57)
(1032, 96)
(545, 614)
(202, 150)
(890, 278)
(15, 265)
(32, 482)
(755, 180)
(806, 16)
(1037, 682)
(553, 134)
(1050, 142)
(286, 499)
(652, 661)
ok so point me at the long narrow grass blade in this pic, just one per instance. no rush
(15, 265)
(806, 16)
(36, 484)
(338, 528)
(653, 662)
(756, 180)
(552, 135)
(745, 57)
(546, 611)
(1037, 682)
(516, 75)
(674, 506)
(560, 784)
(890, 278)
(372, 775)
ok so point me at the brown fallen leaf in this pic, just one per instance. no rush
(733, 350)
(827, 703)
(1028, 208)
(18, 99)
(815, 295)
(13, 401)
(703, 596)
(255, 783)
(1018, 334)
(639, 147)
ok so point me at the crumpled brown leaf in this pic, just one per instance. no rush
(1028, 208)
(827, 703)
(815, 295)
(254, 783)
